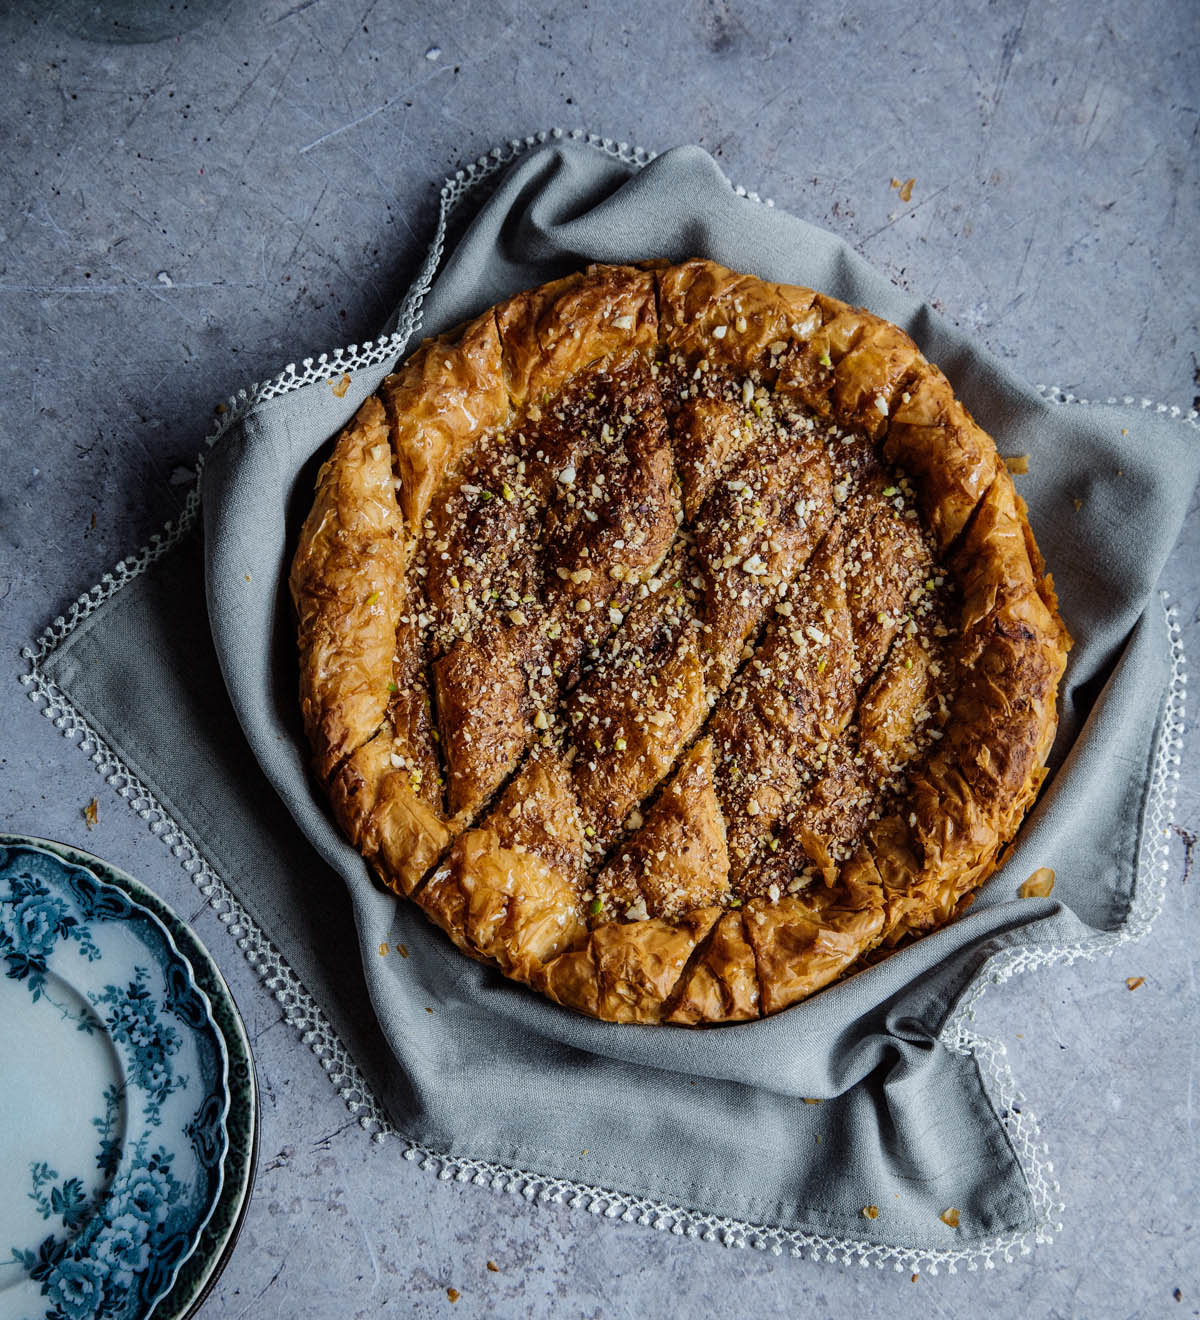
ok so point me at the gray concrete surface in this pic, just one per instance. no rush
(193, 194)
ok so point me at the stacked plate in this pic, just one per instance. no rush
(128, 1109)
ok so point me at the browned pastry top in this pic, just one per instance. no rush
(676, 640)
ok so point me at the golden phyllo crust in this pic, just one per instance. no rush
(676, 640)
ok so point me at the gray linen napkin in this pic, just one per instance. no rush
(711, 1131)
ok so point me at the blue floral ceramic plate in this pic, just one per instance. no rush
(114, 1107)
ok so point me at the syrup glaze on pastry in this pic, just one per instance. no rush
(675, 640)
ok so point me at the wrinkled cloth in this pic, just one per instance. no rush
(472, 1065)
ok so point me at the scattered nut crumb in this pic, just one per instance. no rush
(91, 813)
(808, 1100)
(915, 1277)
(906, 190)
(428, 1009)
(383, 949)
(1039, 884)
(870, 1212)
(453, 1294)
(340, 387)
(1078, 504)
(1178, 1295)
(402, 950)
(949, 1217)
(1134, 981)
(495, 1269)
(1017, 463)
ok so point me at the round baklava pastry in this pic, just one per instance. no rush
(675, 640)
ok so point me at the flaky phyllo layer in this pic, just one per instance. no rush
(676, 640)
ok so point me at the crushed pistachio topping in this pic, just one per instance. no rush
(715, 608)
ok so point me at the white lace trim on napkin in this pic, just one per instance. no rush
(303, 1012)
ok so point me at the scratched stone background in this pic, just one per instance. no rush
(193, 194)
